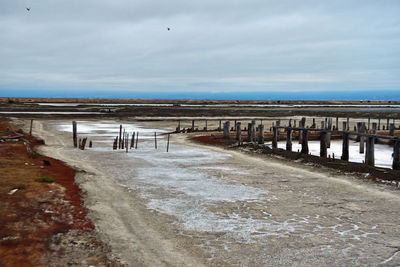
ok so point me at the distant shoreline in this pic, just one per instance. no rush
(4, 100)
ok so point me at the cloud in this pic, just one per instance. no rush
(213, 45)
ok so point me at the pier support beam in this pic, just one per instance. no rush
(289, 139)
(274, 137)
(304, 143)
(261, 134)
(239, 132)
(74, 137)
(323, 147)
(227, 133)
(345, 144)
(396, 155)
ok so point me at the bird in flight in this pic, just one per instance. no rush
(28, 8)
(169, 29)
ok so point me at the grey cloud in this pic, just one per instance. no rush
(257, 45)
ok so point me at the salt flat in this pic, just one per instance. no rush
(200, 205)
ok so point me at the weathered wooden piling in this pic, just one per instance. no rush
(369, 122)
(192, 125)
(337, 123)
(132, 140)
(391, 129)
(90, 143)
(239, 132)
(304, 143)
(205, 128)
(249, 132)
(219, 127)
(115, 144)
(274, 137)
(261, 134)
(348, 124)
(80, 143)
(30, 128)
(323, 152)
(289, 139)
(123, 140)
(155, 140)
(83, 143)
(137, 139)
(302, 124)
(168, 143)
(370, 150)
(396, 155)
(120, 133)
(379, 124)
(329, 133)
(227, 133)
(253, 131)
(126, 142)
(74, 137)
(313, 123)
(345, 144)
(178, 129)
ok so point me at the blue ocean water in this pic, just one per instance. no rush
(393, 95)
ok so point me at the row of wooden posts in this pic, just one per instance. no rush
(122, 141)
(80, 143)
(328, 122)
(369, 137)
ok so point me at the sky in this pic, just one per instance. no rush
(255, 47)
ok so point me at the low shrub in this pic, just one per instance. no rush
(45, 179)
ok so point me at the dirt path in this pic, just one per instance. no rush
(209, 206)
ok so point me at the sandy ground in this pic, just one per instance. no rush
(229, 208)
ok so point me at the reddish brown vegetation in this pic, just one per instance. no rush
(30, 216)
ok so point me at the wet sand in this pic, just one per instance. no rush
(253, 212)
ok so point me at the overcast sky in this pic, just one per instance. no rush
(213, 45)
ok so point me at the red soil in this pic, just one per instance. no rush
(38, 210)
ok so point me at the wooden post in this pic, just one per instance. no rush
(155, 140)
(80, 143)
(90, 143)
(348, 124)
(374, 128)
(127, 142)
(123, 140)
(379, 124)
(227, 133)
(30, 129)
(74, 137)
(329, 133)
(192, 125)
(115, 144)
(253, 131)
(120, 133)
(289, 139)
(362, 138)
(168, 143)
(369, 122)
(83, 144)
(249, 132)
(387, 124)
(345, 144)
(391, 129)
(274, 137)
(132, 140)
(337, 123)
(137, 139)
(239, 132)
(219, 127)
(396, 155)
(323, 152)
(313, 123)
(304, 143)
(261, 134)
(178, 129)
(369, 155)
(206, 126)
